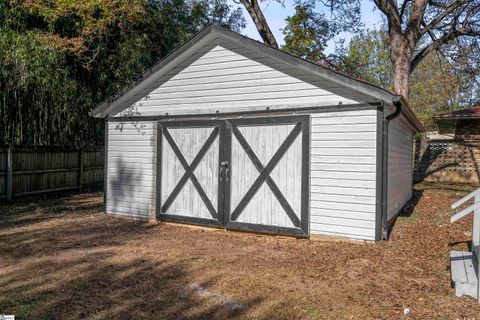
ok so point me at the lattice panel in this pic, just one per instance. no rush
(447, 161)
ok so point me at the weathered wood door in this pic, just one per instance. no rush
(189, 172)
(242, 174)
(269, 180)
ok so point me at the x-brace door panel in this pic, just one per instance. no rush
(269, 178)
(190, 186)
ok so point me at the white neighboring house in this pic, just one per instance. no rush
(228, 132)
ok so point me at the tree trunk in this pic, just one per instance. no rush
(260, 22)
(401, 54)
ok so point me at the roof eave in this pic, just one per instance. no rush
(409, 113)
(212, 31)
(103, 109)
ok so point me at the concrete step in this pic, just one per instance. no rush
(464, 268)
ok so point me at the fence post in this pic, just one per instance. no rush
(80, 169)
(9, 173)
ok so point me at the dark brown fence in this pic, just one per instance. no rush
(28, 171)
(447, 161)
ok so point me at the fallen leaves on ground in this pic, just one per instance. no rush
(64, 259)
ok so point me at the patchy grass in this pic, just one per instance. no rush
(64, 259)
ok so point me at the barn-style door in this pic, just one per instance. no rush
(189, 172)
(243, 174)
(269, 175)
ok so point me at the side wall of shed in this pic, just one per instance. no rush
(400, 166)
(131, 162)
(343, 173)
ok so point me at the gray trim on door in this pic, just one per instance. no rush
(302, 127)
(225, 130)
(216, 220)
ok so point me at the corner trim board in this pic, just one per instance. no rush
(379, 177)
(105, 167)
(158, 191)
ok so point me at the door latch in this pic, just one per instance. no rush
(224, 170)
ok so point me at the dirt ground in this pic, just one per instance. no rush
(64, 259)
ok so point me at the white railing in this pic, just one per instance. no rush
(475, 208)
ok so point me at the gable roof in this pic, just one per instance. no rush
(210, 33)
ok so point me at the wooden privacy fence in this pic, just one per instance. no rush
(447, 161)
(28, 171)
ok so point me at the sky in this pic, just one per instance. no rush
(275, 14)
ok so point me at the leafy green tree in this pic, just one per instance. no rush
(415, 28)
(307, 32)
(58, 59)
(368, 58)
(436, 85)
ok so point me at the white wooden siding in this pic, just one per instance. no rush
(400, 157)
(225, 77)
(343, 174)
(131, 170)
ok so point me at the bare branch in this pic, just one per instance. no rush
(404, 6)
(448, 10)
(389, 8)
(260, 22)
(417, 12)
(435, 45)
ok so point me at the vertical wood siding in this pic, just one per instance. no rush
(400, 166)
(188, 202)
(343, 174)
(131, 172)
(225, 77)
(264, 208)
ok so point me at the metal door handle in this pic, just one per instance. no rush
(221, 172)
(224, 170)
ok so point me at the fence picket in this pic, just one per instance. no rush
(28, 171)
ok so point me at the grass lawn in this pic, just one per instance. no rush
(64, 259)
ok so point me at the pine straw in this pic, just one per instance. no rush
(63, 259)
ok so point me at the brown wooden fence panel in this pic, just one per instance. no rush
(93, 167)
(3, 174)
(447, 161)
(41, 170)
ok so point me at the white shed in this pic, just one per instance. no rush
(228, 132)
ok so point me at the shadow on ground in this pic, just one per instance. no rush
(59, 262)
(64, 259)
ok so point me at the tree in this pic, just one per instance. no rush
(344, 15)
(255, 12)
(415, 29)
(435, 87)
(418, 27)
(436, 84)
(367, 57)
(307, 32)
(58, 59)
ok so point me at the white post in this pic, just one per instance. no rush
(476, 242)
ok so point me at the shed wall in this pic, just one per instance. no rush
(343, 174)
(400, 165)
(227, 77)
(131, 169)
